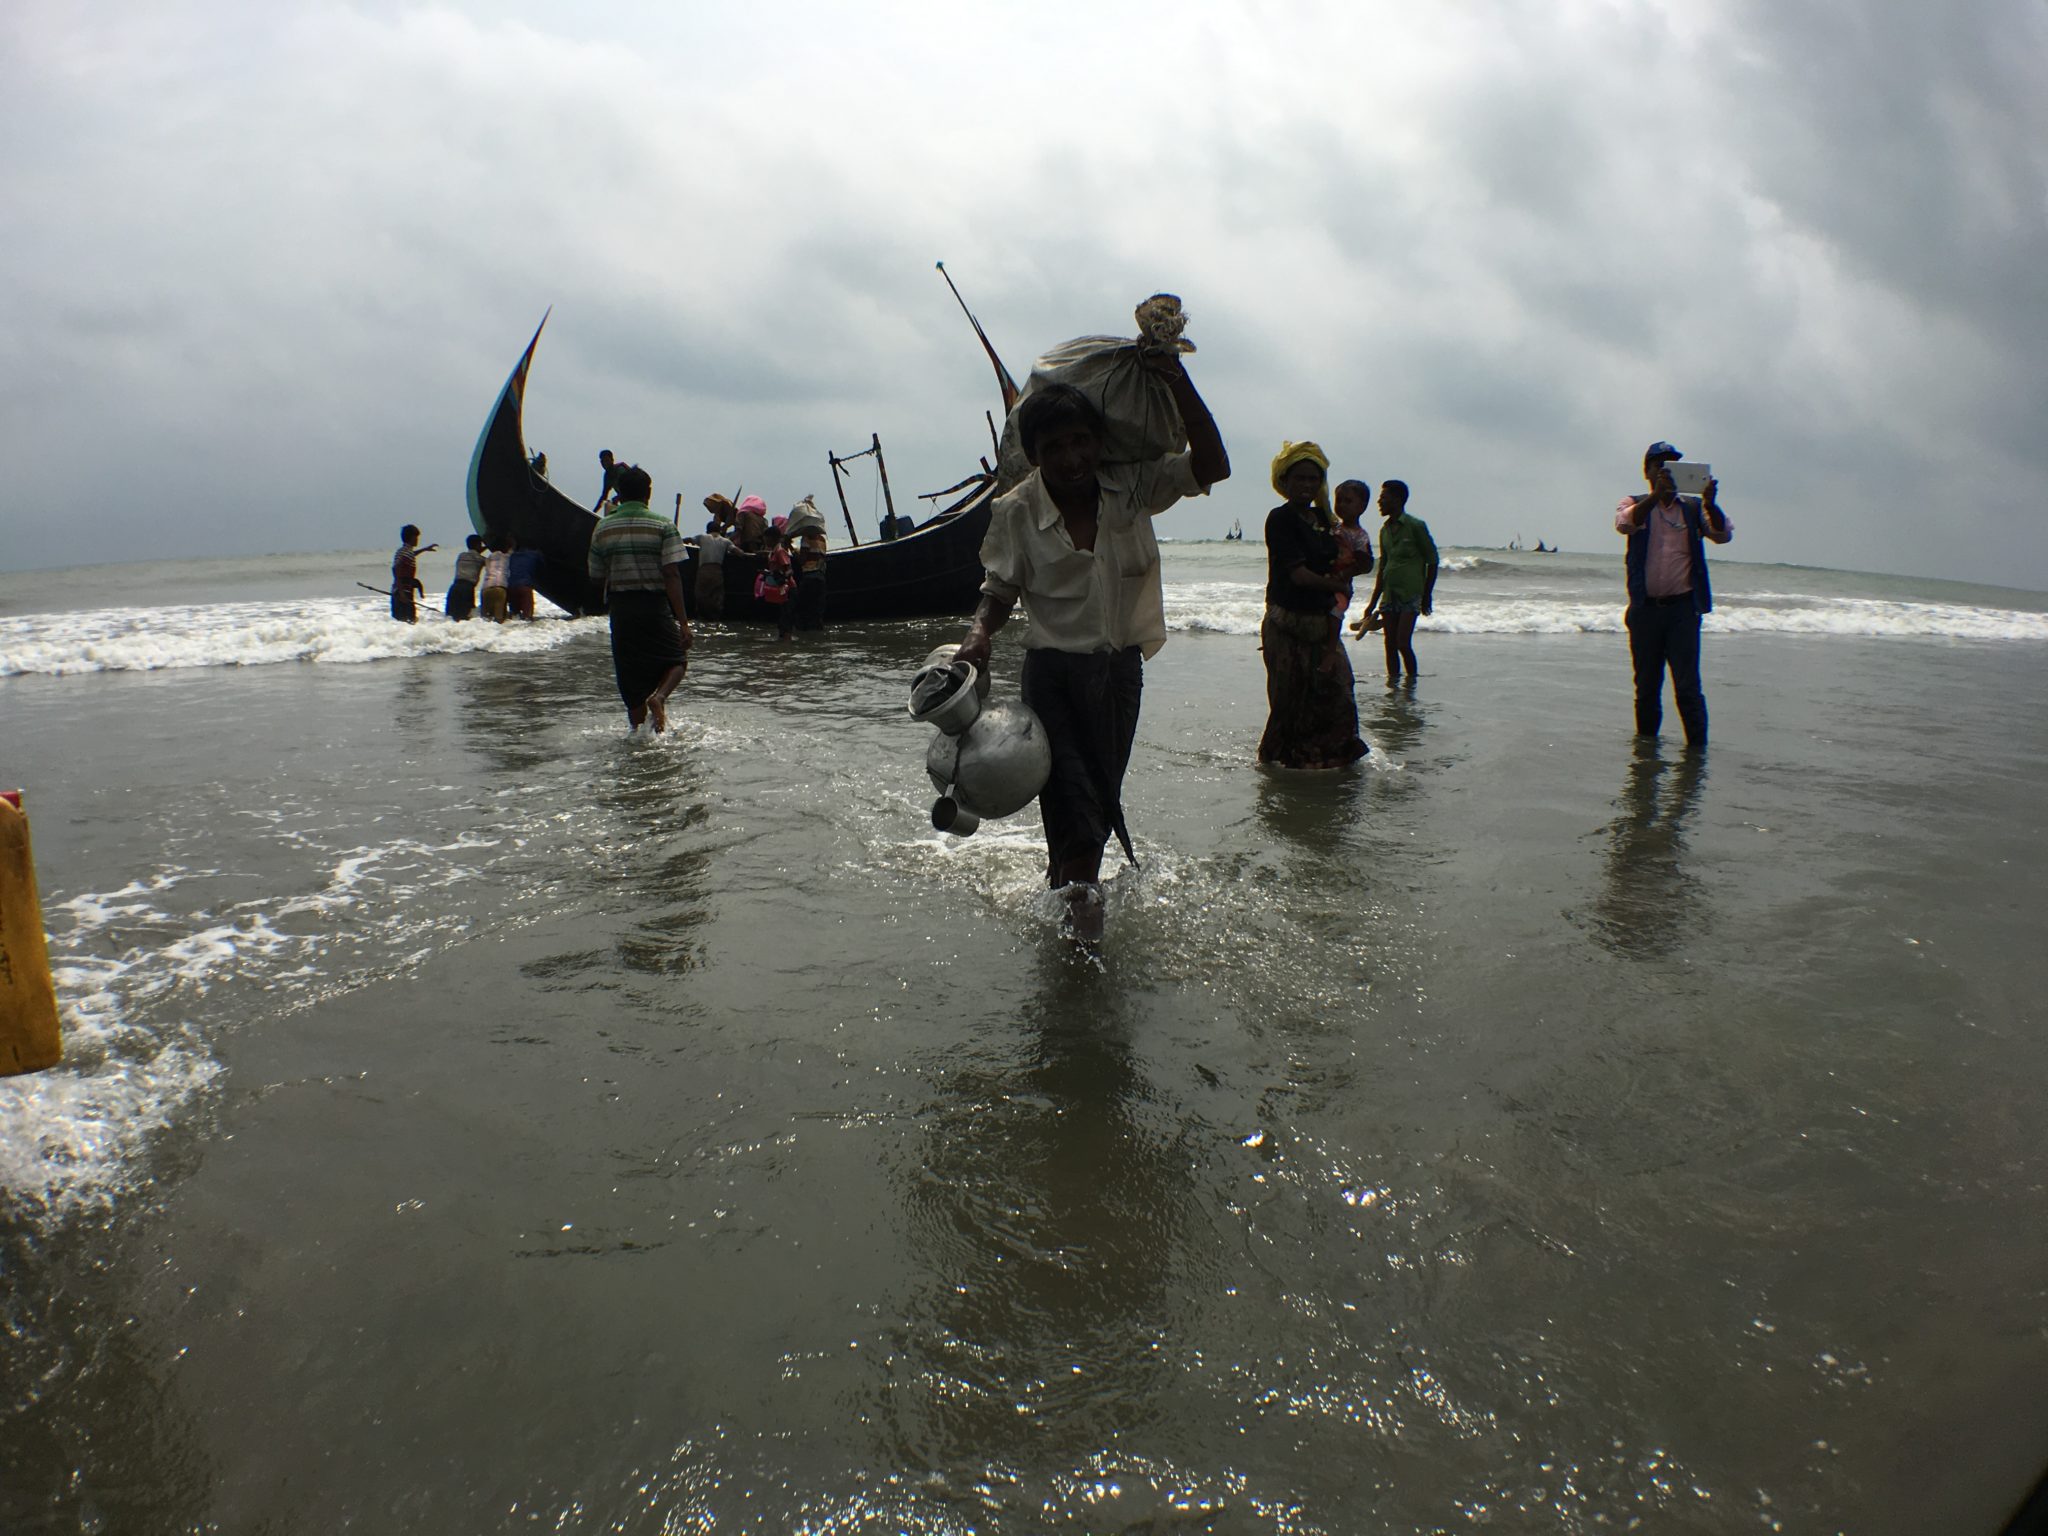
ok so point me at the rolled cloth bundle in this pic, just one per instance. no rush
(1291, 454)
(1141, 422)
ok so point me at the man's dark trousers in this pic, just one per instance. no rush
(1665, 632)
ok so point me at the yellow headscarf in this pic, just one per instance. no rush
(1291, 454)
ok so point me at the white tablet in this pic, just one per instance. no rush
(1690, 479)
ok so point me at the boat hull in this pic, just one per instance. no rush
(507, 500)
(935, 570)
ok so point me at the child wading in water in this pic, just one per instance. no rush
(405, 575)
(777, 582)
(1405, 587)
(1354, 557)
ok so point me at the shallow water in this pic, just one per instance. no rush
(478, 1120)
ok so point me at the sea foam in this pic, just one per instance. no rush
(135, 968)
(330, 630)
(1233, 608)
(340, 631)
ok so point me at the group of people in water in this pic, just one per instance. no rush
(1073, 543)
(494, 579)
(792, 550)
(1316, 550)
(498, 578)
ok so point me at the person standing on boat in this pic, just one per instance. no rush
(637, 558)
(712, 547)
(1074, 542)
(469, 566)
(611, 468)
(1668, 593)
(405, 575)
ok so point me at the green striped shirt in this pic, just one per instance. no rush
(631, 546)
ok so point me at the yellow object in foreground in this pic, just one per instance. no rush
(28, 998)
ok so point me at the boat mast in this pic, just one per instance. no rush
(874, 447)
(881, 468)
(1003, 379)
(846, 511)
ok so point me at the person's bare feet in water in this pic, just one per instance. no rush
(657, 712)
(1084, 912)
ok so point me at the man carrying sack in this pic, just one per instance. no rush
(1073, 541)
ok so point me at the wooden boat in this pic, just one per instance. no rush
(935, 569)
(508, 500)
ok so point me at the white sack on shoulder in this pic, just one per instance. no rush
(1143, 422)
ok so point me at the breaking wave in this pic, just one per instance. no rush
(340, 631)
(329, 630)
(1235, 608)
(134, 969)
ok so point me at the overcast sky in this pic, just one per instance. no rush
(266, 266)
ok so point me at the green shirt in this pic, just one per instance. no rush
(1407, 556)
(630, 546)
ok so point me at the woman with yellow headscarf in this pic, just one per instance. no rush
(1312, 718)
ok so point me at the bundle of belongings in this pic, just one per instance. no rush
(1143, 423)
(746, 524)
(805, 530)
(805, 517)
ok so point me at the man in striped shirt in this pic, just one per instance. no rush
(405, 575)
(638, 558)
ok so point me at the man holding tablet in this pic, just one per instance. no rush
(1668, 592)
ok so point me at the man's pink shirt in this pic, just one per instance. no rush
(1667, 570)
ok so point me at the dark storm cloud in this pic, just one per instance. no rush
(1914, 144)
